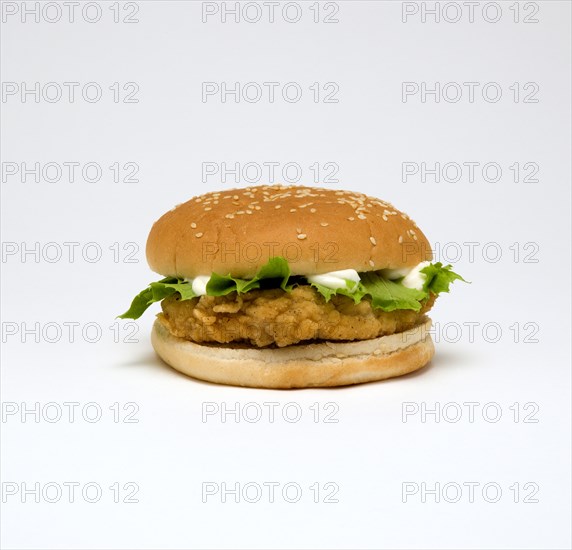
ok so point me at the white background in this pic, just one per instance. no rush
(370, 452)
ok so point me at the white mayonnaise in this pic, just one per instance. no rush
(199, 284)
(337, 279)
(393, 274)
(416, 279)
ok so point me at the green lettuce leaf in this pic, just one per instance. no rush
(389, 295)
(219, 285)
(275, 273)
(156, 292)
(327, 293)
(439, 277)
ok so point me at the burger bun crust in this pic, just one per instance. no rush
(316, 230)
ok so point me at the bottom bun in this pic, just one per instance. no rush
(320, 364)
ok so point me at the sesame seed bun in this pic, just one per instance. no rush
(316, 230)
(321, 364)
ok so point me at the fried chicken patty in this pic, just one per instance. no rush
(274, 317)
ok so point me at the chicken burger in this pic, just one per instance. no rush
(290, 287)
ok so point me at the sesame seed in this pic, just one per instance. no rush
(373, 241)
(371, 263)
(400, 240)
(278, 206)
(240, 212)
(384, 217)
(230, 216)
(198, 235)
(302, 236)
(351, 219)
(312, 210)
(194, 225)
(324, 224)
(208, 208)
(292, 210)
(235, 197)
(361, 217)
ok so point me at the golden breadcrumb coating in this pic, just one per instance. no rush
(275, 317)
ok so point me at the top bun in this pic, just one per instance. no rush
(316, 230)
